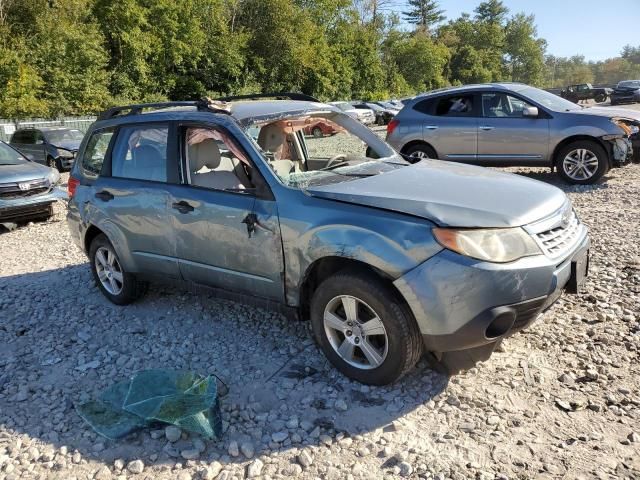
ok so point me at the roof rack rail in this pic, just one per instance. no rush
(204, 105)
(279, 96)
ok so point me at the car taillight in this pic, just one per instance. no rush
(391, 126)
(72, 184)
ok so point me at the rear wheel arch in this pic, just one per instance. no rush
(416, 143)
(91, 233)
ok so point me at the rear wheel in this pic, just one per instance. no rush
(583, 162)
(317, 132)
(421, 151)
(363, 329)
(600, 98)
(115, 283)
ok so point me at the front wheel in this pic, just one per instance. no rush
(113, 281)
(363, 329)
(317, 132)
(600, 98)
(583, 162)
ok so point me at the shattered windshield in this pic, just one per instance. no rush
(322, 147)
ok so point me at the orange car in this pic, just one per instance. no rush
(320, 129)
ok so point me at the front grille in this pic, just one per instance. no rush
(30, 188)
(41, 210)
(558, 240)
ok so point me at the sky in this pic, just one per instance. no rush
(596, 29)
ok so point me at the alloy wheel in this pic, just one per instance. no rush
(109, 271)
(355, 332)
(580, 164)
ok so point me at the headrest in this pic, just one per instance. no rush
(204, 154)
(273, 138)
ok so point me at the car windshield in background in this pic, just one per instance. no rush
(549, 100)
(8, 156)
(629, 84)
(58, 136)
(322, 148)
(344, 106)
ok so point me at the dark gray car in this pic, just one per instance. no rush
(387, 259)
(55, 147)
(27, 189)
(515, 125)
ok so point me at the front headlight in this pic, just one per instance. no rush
(62, 153)
(499, 245)
(53, 177)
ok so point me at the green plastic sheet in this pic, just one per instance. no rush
(184, 399)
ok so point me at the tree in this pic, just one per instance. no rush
(424, 13)
(524, 51)
(491, 11)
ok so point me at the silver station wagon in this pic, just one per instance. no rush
(388, 260)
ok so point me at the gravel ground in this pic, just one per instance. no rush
(559, 400)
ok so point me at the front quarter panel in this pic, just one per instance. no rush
(314, 228)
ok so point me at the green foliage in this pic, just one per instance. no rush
(424, 13)
(68, 57)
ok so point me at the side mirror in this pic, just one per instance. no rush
(530, 112)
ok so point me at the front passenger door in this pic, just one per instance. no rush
(228, 232)
(506, 137)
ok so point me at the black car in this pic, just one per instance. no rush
(627, 91)
(55, 147)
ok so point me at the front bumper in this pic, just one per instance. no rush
(461, 303)
(27, 208)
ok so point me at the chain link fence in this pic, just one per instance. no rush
(7, 127)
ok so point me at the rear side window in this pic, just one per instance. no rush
(140, 152)
(95, 152)
(456, 106)
(25, 137)
(425, 106)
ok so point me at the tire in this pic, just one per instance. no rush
(397, 343)
(421, 151)
(588, 153)
(130, 289)
(317, 132)
(600, 98)
(51, 162)
(380, 120)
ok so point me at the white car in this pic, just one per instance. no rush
(365, 116)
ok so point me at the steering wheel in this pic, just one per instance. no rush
(340, 158)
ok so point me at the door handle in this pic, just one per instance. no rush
(104, 195)
(251, 220)
(486, 127)
(431, 127)
(182, 207)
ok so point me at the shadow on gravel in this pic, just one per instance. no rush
(63, 342)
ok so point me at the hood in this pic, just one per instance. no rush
(452, 194)
(23, 172)
(610, 112)
(72, 145)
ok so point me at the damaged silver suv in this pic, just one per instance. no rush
(388, 260)
(515, 125)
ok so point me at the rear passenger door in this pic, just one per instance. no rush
(132, 194)
(225, 219)
(451, 126)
